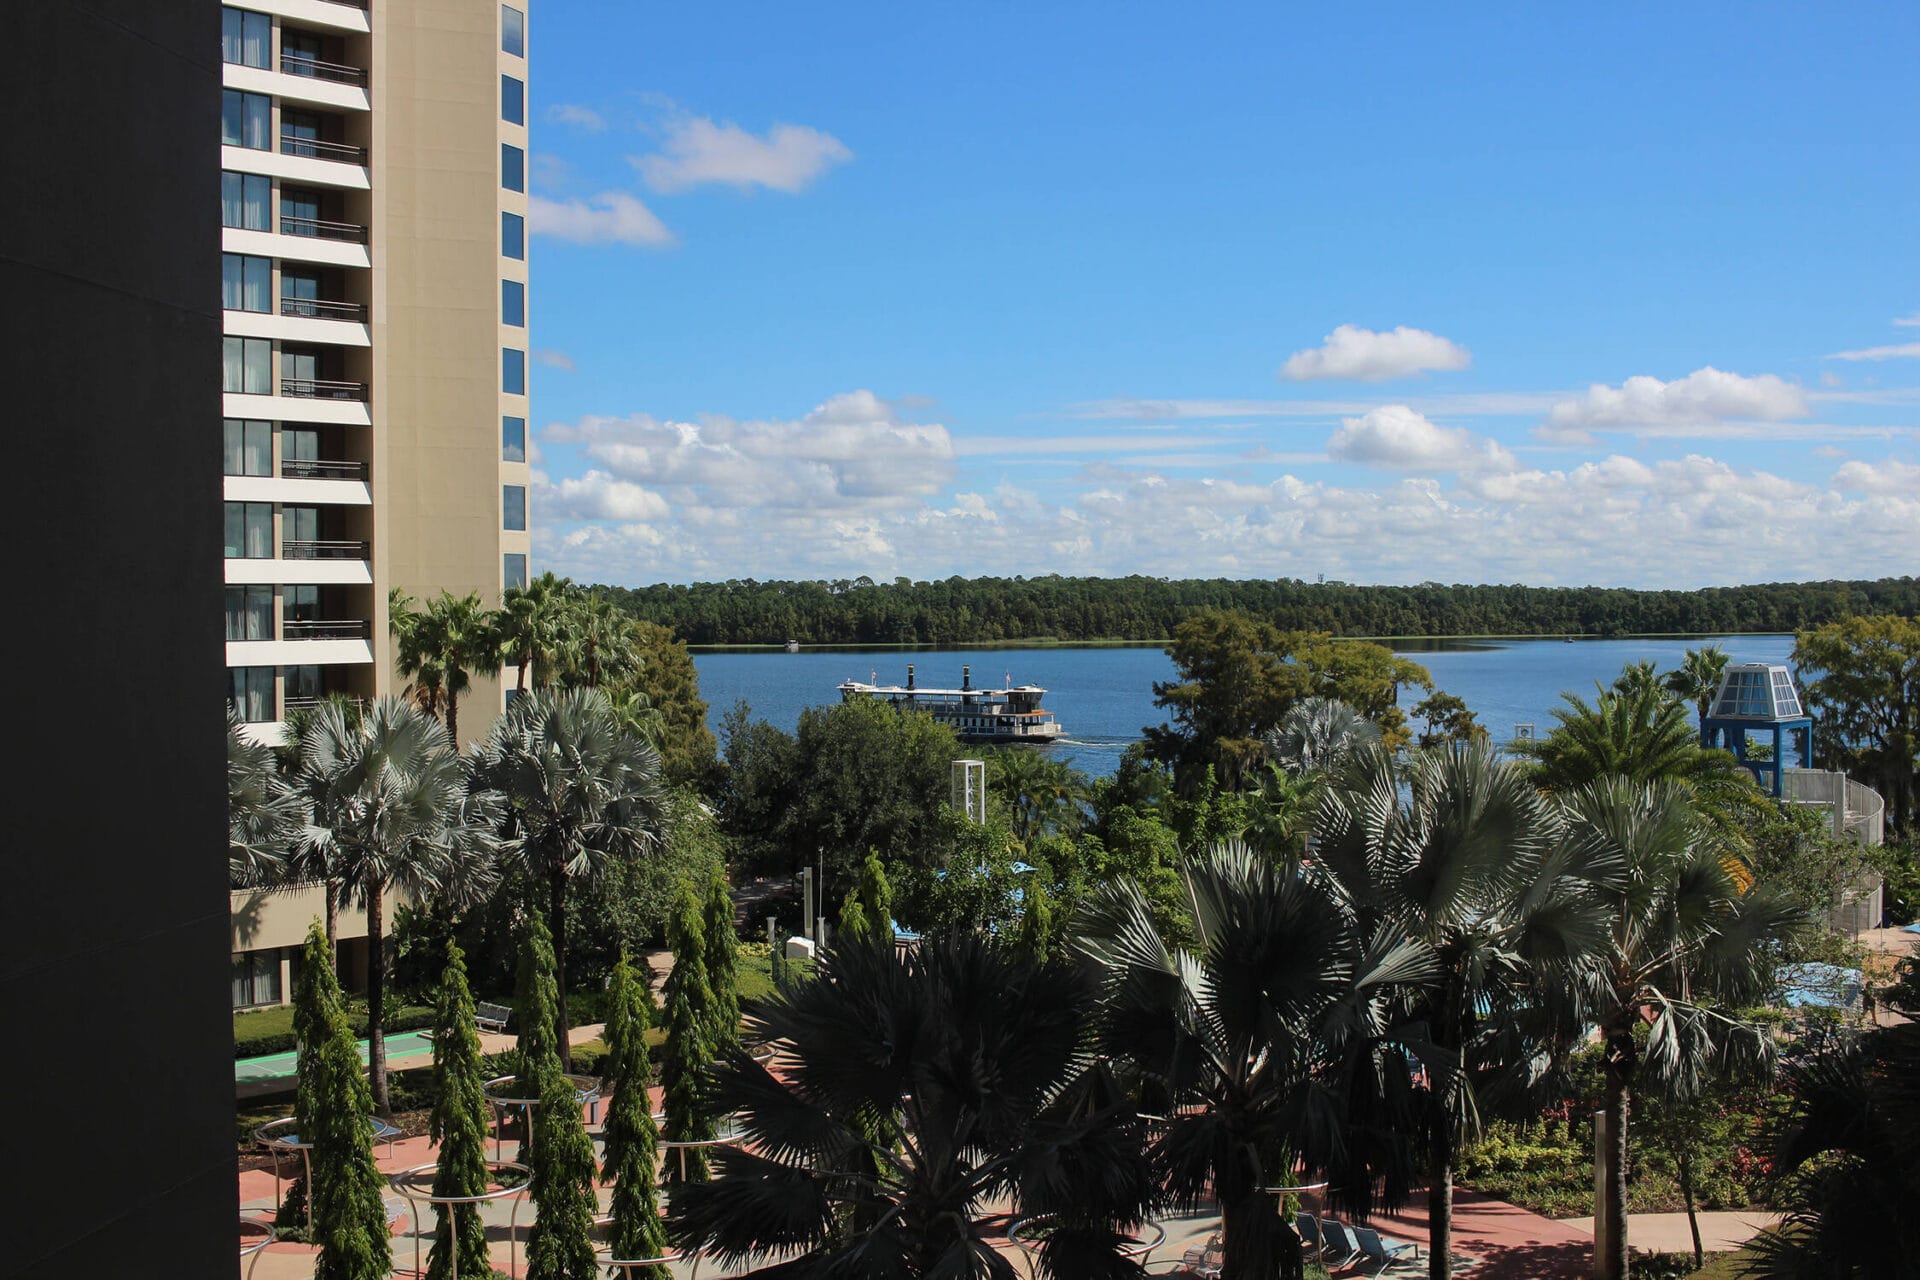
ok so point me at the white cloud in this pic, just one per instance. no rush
(1361, 354)
(1703, 397)
(696, 150)
(1486, 404)
(1887, 476)
(553, 359)
(612, 217)
(1397, 438)
(1898, 351)
(596, 496)
(1908, 322)
(576, 116)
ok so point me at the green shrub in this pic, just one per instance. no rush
(258, 1033)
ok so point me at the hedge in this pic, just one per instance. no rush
(261, 1032)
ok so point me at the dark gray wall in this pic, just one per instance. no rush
(116, 1094)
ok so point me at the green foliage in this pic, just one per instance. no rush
(1862, 678)
(259, 1033)
(1039, 795)
(335, 1110)
(535, 1000)
(1793, 851)
(560, 1244)
(689, 1049)
(440, 647)
(631, 1151)
(666, 678)
(1448, 719)
(1036, 922)
(459, 1126)
(720, 950)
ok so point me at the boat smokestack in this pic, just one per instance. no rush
(909, 675)
(966, 679)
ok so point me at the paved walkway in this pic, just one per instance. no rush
(1720, 1231)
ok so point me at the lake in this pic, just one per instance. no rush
(1103, 696)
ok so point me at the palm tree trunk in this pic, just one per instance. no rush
(521, 678)
(1613, 1264)
(1440, 1202)
(376, 996)
(1255, 1245)
(453, 719)
(557, 924)
(1686, 1191)
(333, 923)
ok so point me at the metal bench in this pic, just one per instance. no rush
(491, 1017)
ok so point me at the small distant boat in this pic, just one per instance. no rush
(793, 646)
(1569, 639)
(1012, 714)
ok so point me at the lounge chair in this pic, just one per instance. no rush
(1339, 1250)
(1205, 1260)
(1308, 1228)
(1381, 1249)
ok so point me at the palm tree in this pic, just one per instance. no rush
(1280, 812)
(578, 793)
(597, 643)
(1317, 734)
(1458, 850)
(1273, 1040)
(916, 1089)
(1635, 676)
(392, 811)
(264, 815)
(532, 627)
(1697, 679)
(1041, 794)
(440, 648)
(312, 857)
(1685, 947)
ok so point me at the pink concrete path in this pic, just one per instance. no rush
(1513, 1243)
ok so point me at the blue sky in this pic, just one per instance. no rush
(1387, 294)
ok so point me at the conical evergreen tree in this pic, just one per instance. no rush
(688, 1049)
(349, 1220)
(316, 991)
(459, 1125)
(560, 1243)
(1036, 922)
(631, 1154)
(722, 953)
(853, 919)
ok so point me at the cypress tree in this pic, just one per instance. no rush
(459, 1125)
(688, 1049)
(876, 894)
(349, 1218)
(853, 918)
(722, 951)
(631, 1156)
(1036, 923)
(560, 1243)
(317, 991)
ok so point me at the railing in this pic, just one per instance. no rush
(321, 469)
(299, 64)
(319, 149)
(322, 389)
(328, 629)
(322, 309)
(307, 702)
(323, 549)
(322, 229)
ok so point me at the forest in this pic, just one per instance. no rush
(988, 610)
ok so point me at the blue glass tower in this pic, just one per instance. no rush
(1757, 696)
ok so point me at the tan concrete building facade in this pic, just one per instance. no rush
(376, 365)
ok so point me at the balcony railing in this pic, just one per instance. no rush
(321, 469)
(329, 629)
(299, 64)
(322, 229)
(319, 149)
(307, 702)
(323, 549)
(322, 309)
(322, 389)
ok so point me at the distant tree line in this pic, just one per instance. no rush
(981, 610)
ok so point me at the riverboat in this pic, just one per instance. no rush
(1006, 715)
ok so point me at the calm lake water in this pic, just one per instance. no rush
(1104, 696)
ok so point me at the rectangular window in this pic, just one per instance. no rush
(246, 200)
(245, 119)
(301, 604)
(246, 282)
(513, 100)
(256, 976)
(513, 439)
(513, 303)
(513, 31)
(513, 507)
(513, 371)
(298, 445)
(300, 524)
(249, 366)
(250, 692)
(249, 530)
(513, 167)
(301, 686)
(249, 613)
(245, 37)
(513, 571)
(513, 236)
(249, 450)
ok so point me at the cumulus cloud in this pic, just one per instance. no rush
(576, 116)
(553, 359)
(596, 496)
(612, 217)
(1888, 476)
(1396, 438)
(1365, 356)
(1704, 397)
(1897, 351)
(696, 150)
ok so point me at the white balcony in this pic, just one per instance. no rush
(304, 573)
(339, 249)
(331, 14)
(308, 90)
(308, 171)
(298, 491)
(297, 653)
(341, 413)
(296, 328)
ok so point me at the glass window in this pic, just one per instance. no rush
(513, 236)
(513, 506)
(244, 119)
(513, 303)
(513, 571)
(249, 613)
(513, 167)
(250, 692)
(300, 524)
(249, 450)
(249, 531)
(298, 445)
(302, 685)
(246, 282)
(513, 371)
(513, 31)
(245, 37)
(249, 366)
(513, 100)
(301, 604)
(245, 200)
(256, 978)
(513, 439)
